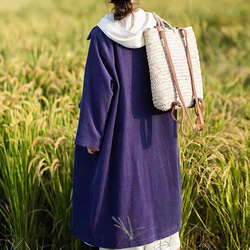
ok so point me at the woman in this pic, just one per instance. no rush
(126, 183)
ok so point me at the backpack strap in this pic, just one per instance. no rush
(198, 109)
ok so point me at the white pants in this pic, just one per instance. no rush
(169, 243)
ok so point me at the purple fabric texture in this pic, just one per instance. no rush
(129, 193)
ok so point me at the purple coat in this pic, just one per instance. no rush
(129, 193)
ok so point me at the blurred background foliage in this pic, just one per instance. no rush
(43, 51)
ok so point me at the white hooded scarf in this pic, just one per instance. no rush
(128, 31)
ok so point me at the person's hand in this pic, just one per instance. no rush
(92, 150)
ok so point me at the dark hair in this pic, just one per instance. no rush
(122, 9)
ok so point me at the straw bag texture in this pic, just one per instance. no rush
(174, 67)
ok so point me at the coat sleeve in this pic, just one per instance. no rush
(97, 92)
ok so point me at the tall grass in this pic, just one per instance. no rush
(42, 57)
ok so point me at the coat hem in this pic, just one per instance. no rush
(127, 244)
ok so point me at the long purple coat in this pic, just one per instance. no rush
(129, 193)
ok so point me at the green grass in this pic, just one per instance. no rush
(42, 58)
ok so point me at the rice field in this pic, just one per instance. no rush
(43, 51)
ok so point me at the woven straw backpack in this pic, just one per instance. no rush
(174, 68)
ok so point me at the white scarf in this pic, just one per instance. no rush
(128, 31)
